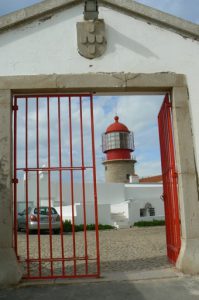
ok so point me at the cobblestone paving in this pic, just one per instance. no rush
(130, 249)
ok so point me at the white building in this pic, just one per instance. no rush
(119, 204)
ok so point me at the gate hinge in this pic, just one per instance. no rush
(175, 175)
(15, 107)
(15, 180)
(169, 105)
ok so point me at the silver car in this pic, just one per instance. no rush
(44, 219)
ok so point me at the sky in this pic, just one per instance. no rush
(186, 9)
(143, 122)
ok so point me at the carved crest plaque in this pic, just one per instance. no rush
(91, 38)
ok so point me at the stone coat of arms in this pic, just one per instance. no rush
(91, 38)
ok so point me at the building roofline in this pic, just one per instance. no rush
(185, 28)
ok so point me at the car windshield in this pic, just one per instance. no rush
(24, 211)
(45, 211)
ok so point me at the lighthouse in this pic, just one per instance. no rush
(118, 145)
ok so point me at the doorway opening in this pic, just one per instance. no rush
(43, 181)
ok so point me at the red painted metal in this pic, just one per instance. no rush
(95, 185)
(38, 190)
(83, 185)
(170, 186)
(15, 180)
(117, 126)
(35, 263)
(118, 154)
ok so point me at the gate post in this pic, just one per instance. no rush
(10, 272)
(188, 260)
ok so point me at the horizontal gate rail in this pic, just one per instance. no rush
(39, 121)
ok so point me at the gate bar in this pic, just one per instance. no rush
(60, 185)
(15, 177)
(38, 185)
(26, 163)
(95, 185)
(49, 186)
(83, 185)
(72, 185)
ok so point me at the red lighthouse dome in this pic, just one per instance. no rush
(117, 141)
(117, 126)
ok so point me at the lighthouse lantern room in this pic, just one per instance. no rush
(118, 144)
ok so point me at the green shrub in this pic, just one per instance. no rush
(149, 223)
(67, 227)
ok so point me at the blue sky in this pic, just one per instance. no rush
(186, 9)
(143, 122)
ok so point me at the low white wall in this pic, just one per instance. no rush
(121, 208)
(104, 214)
(127, 199)
(66, 212)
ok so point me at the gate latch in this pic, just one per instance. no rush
(15, 180)
(15, 107)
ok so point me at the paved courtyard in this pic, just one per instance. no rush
(133, 249)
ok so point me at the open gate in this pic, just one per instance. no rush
(54, 156)
(170, 189)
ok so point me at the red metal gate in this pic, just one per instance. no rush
(170, 190)
(54, 156)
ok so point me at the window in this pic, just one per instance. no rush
(152, 211)
(45, 211)
(117, 140)
(148, 210)
(142, 212)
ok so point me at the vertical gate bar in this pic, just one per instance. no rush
(167, 176)
(176, 234)
(49, 187)
(60, 186)
(83, 185)
(15, 177)
(38, 184)
(95, 185)
(163, 135)
(72, 186)
(26, 163)
(169, 186)
(166, 117)
(166, 173)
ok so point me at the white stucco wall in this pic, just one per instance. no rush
(133, 46)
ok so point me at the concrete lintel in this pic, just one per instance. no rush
(94, 82)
